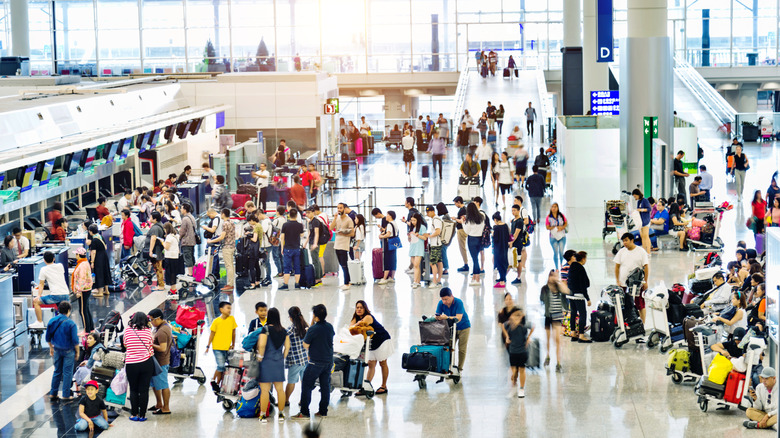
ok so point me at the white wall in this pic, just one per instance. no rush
(591, 165)
(686, 139)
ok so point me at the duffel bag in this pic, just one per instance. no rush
(420, 361)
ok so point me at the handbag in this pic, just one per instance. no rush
(157, 368)
(393, 243)
(114, 359)
(188, 317)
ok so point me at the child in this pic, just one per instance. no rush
(223, 336)
(261, 310)
(92, 411)
(518, 337)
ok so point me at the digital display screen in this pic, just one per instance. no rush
(47, 170)
(90, 159)
(124, 148)
(154, 139)
(29, 177)
(112, 151)
(75, 164)
(2, 180)
(142, 141)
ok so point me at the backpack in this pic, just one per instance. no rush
(273, 234)
(325, 233)
(447, 231)
(250, 341)
(485, 239)
(248, 408)
(114, 319)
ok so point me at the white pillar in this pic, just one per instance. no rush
(646, 90)
(20, 29)
(595, 75)
(572, 23)
(748, 98)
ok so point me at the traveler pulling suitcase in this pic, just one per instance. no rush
(356, 275)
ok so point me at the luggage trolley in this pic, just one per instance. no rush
(233, 380)
(716, 245)
(348, 372)
(712, 393)
(449, 372)
(657, 300)
(201, 275)
(626, 329)
(189, 361)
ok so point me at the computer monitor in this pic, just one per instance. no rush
(195, 126)
(48, 167)
(124, 148)
(29, 177)
(75, 164)
(169, 131)
(110, 156)
(183, 129)
(89, 158)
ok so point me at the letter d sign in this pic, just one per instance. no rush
(604, 30)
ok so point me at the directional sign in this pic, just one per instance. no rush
(330, 108)
(605, 102)
(649, 132)
(604, 30)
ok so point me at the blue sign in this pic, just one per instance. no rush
(605, 103)
(604, 30)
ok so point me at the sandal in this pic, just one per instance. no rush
(381, 390)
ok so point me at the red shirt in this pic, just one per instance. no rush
(128, 233)
(306, 179)
(60, 234)
(759, 209)
(54, 216)
(298, 194)
(102, 211)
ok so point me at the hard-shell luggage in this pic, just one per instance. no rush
(440, 352)
(345, 163)
(679, 361)
(708, 387)
(534, 355)
(356, 273)
(239, 200)
(760, 243)
(307, 277)
(426, 171)
(377, 263)
(352, 371)
(735, 385)
(359, 146)
(507, 73)
(474, 138)
(719, 369)
(491, 136)
(602, 325)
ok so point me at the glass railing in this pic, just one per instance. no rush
(715, 104)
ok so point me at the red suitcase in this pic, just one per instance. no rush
(687, 297)
(735, 385)
(377, 263)
(240, 200)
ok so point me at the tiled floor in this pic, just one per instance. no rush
(602, 391)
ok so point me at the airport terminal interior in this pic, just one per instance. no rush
(522, 218)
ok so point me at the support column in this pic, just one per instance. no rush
(646, 90)
(748, 98)
(595, 75)
(398, 106)
(571, 71)
(20, 29)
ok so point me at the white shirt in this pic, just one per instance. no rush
(706, 181)
(434, 224)
(173, 250)
(25, 245)
(364, 128)
(474, 230)
(123, 203)
(630, 260)
(360, 233)
(418, 125)
(175, 216)
(54, 276)
(263, 182)
(211, 175)
(468, 121)
(504, 172)
(484, 152)
(266, 224)
(407, 143)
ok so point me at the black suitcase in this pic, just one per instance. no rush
(635, 328)
(706, 387)
(698, 287)
(602, 325)
(345, 163)
(426, 171)
(693, 310)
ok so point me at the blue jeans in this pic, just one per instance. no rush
(268, 263)
(276, 252)
(125, 254)
(536, 204)
(445, 263)
(221, 357)
(474, 245)
(292, 260)
(63, 371)
(295, 373)
(54, 299)
(99, 422)
(313, 372)
(558, 246)
(215, 262)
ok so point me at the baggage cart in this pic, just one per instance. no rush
(451, 372)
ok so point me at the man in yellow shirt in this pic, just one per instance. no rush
(223, 337)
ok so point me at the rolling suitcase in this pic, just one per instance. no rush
(359, 146)
(474, 138)
(735, 385)
(377, 263)
(491, 136)
(440, 352)
(507, 73)
(239, 200)
(356, 275)
(344, 163)
(534, 355)
(602, 325)
(760, 243)
(426, 172)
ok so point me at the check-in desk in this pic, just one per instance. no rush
(29, 269)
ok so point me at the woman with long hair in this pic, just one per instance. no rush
(173, 263)
(759, 213)
(474, 225)
(679, 224)
(81, 285)
(360, 236)
(94, 352)
(380, 349)
(298, 357)
(735, 315)
(556, 223)
(579, 283)
(505, 176)
(773, 215)
(643, 207)
(494, 160)
(139, 364)
(273, 346)
(418, 234)
(552, 295)
(100, 263)
(503, 316)
(172, 214)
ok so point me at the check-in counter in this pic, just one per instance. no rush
(7, 315)
(29, 269)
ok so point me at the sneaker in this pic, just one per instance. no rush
(297, 286)
(263, 419)
(281, 417)
(265, 283)
(318, 414)
(558, 368)
(520, 393)
(318, 284)
(215, 386)
(279, 275)
(445, 272)
(415, 285)
(391, 280)
(547, 361)
(284, 287)
(750, 424)
(36, 325)
(409, 271)
(498, 286)
(475, 283)
(344, 287)
(434, 285)
(382, 281)
(464, 268)
(517, 281)
(300, 416)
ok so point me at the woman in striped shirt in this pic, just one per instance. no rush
(138, 341)
(554, 305)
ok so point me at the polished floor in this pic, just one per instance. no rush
(601, 392)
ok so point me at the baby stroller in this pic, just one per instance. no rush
(135, 269)
(201, 275)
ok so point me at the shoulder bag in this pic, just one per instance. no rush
(157, 368)
(393, 243)
(195, 230)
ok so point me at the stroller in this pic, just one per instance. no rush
(135, 269)
(201, 275)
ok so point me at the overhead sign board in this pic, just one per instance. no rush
(604, 30)
(605, 102)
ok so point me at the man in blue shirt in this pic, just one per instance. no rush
(452, 308)
(319, 342)
(62, 337)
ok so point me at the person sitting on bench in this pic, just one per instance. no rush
(53, 274)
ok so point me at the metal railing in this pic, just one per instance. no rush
(715, 104)
(460, 93)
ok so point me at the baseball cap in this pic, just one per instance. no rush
(430, 208)
(155, 313)
(81, 251)
(95, 384)
(768, 372)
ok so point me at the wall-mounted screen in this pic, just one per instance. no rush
(89, 159)
(75, 164)
(110, 156)
(169, 131)
(154, 138)
(183, 129)
(124, 148)
(48, 167)
(142, 141)
(195, 126)
(29, 177)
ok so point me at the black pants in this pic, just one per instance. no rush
(262, 198)
(679, 181)
(343, 256)
(139, 376)
(86, 314)
(500, 124)
(418, 134)
(577, 309)
(483, 164)
(438, 158)
(529, 126)
(253, 269)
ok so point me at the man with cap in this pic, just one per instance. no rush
(92, 410)
(163, 338)
(763, 414)
(452, 308)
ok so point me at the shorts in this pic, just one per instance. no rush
(518, 359)
(436, 255)
(505, 188)
(160, 381)
(361, 246)
(295, 373)
(188, 254)
(322, 250)
(548, 322)
(292, 261)
(221, 356)
(639, 302)
(54, 299)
